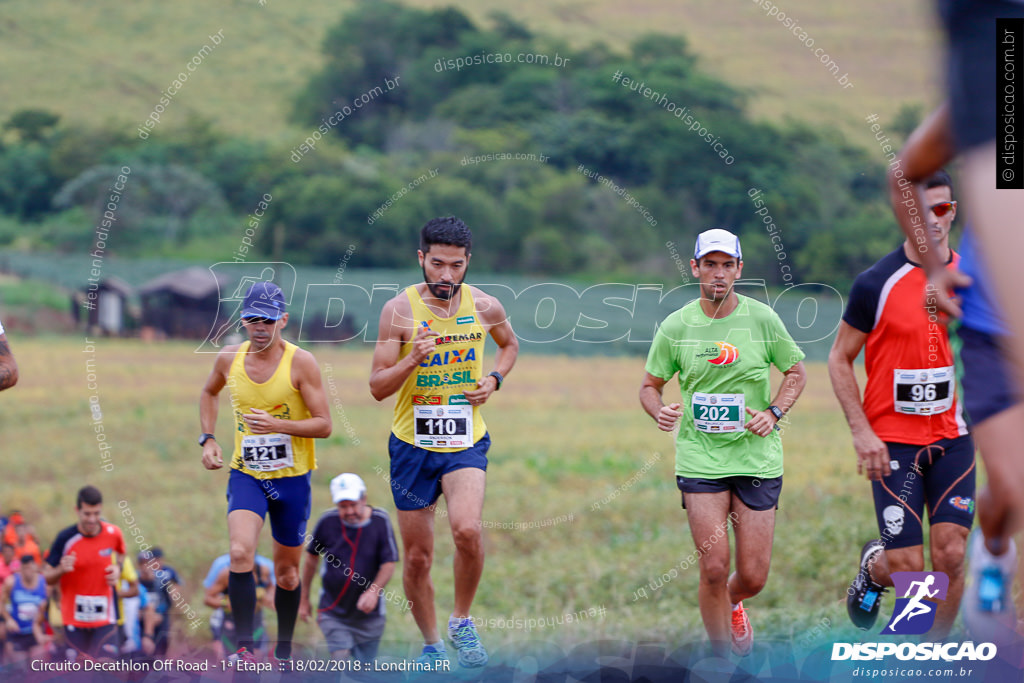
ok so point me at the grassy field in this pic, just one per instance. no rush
(108, 61)
(576, 465)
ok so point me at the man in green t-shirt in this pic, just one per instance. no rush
(728, 467)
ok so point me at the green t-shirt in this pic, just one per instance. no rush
(726, 361)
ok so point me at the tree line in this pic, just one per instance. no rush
(563, 161)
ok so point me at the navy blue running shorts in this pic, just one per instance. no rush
(754, 492)
(288, 500)
(416, 472)
(988, 389)
(943, 478)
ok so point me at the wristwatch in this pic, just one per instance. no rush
(496, 375)
(203, 438)
(776, 411)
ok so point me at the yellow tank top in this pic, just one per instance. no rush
(269, 456)
(454, 366)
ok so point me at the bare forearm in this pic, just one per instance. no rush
(386, 381)
(311, 427)
(846, 389)
(505, 358)
(650, 399)
(208, 408)
(52, 574)
(928, 149)
(309, 566)
(384, 574)
(792, 386)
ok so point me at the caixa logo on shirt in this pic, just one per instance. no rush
(720, 353)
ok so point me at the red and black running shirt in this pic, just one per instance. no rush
(86, 601)
(886, 303)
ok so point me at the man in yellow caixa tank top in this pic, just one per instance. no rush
(430, 353)
(279, 407)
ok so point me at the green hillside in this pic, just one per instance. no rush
(106, 61)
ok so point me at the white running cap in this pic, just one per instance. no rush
(347, 486)
(717, 239)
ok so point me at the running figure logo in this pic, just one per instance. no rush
(914, 612)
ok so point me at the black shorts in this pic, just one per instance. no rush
(754, 492)
(22, 642)
(988, 389)
(943, 477)
(101, 641)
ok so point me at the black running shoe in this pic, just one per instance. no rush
(864, 595)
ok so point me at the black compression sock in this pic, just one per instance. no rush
(286, 602)
(242, 594)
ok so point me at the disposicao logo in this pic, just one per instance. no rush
(914, 613)
(918, 594)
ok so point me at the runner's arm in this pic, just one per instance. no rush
(369, 598)
(793, 382)
(39, 621)
(309, 566)
(384, 574)
(872, 454)
(651, 399)
(208, 405)
(150, 620)
(214, 596)
(927, 150)
(492, 315)
(53, 573)
(388, 373)
(268, 593)
(8, 366)
(5, 595)
(310, 385)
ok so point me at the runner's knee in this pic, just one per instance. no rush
(417, 561)
(753, 578)
(467, 537)
(287, 576)
(714, 570)
(905, 562)
(242, 556)
(949, 556)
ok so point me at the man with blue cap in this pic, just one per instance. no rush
(279, 407)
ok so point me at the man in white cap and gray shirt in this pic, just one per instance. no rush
(357, 544)
(728, 449)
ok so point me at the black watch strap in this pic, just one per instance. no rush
(776, 411)
(496, 375)
(203, 438)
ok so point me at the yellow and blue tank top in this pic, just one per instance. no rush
(453, 367)
(269, 456)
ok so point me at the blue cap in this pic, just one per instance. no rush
(264, 300)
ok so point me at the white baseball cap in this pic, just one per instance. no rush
(717, 239)
(347, 486)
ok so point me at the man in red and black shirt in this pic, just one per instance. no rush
(85, 559)
(909, 431)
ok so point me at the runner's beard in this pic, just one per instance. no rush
(440, 293)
